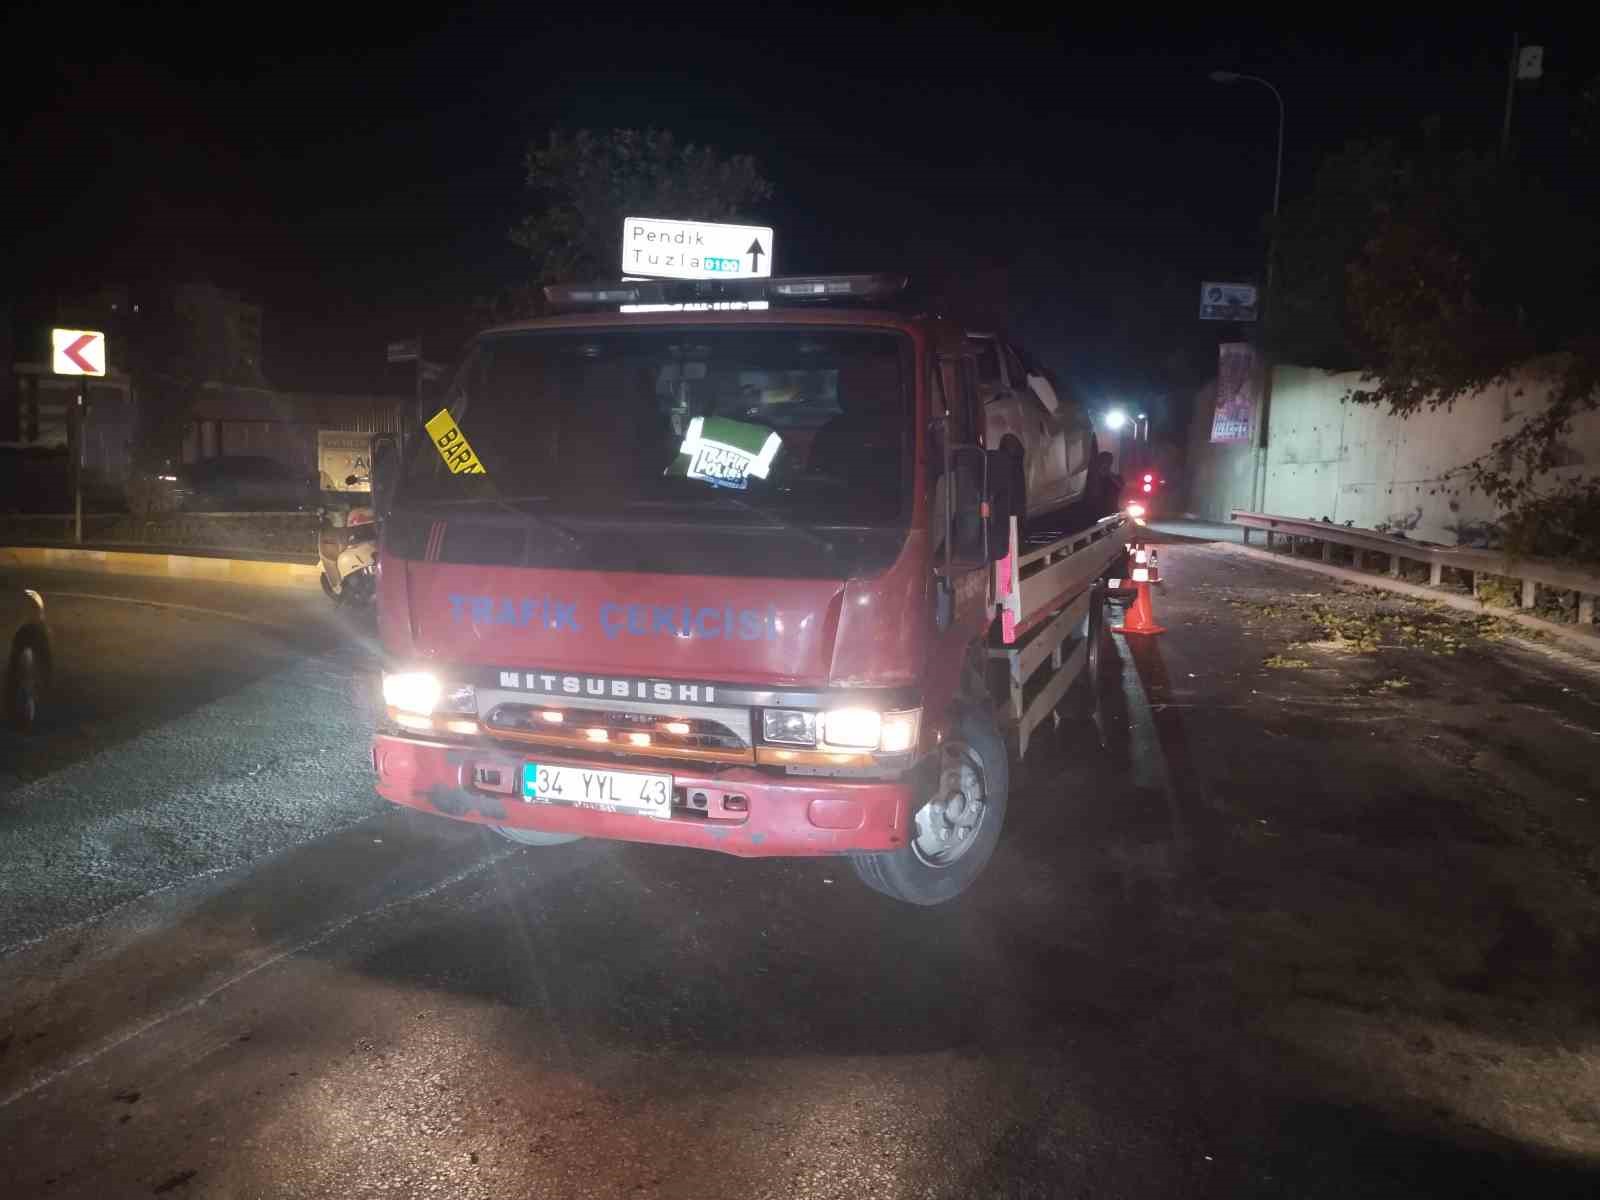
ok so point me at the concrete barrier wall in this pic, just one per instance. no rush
(255, 573)
(1357, 464)
(243, 535)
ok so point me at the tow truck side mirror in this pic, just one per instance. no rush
(968, 468)
(1000, 505)
(385, 471)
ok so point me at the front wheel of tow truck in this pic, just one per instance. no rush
(958, 825)
(535, 837)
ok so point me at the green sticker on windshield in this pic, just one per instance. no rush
(725, 453)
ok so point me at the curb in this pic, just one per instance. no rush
(248, 571)
(149, 548)
(1570, 634)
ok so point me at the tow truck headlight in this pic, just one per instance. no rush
(421, 692)
(868, 729)
(412, 691)
(462, 698)
(898, 732)
(789, 726)
(852, 728)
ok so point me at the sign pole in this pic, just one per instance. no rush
(77, 460)
(399, 352)
(81, 353)
(1511, 97)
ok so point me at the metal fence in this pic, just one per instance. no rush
(1462, 565)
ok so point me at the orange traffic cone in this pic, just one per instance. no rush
(1141, 618)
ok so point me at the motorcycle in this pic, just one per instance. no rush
(347, 547)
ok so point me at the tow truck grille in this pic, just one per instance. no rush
(621, 731)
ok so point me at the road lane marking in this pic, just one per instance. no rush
(1149, 768)
(193, 608)
(328, 932)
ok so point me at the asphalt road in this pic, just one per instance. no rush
(192, 726)
(1326, 929)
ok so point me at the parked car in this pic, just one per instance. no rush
(1039, 422)
(25, 638)
(235, 483)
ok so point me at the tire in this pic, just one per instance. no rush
(1093, 680)
(535, 837)
(360, 590)
(915, 873)
(27, 675)
(327, 588)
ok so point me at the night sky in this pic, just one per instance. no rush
(357, 175)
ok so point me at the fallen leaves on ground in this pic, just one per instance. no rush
(1358, 626)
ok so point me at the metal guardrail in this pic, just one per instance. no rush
(1531, 573)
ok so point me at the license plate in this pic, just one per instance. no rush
(612, 791)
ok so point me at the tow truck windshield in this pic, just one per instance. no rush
(775, 450)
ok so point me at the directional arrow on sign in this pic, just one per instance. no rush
(755, 252)
(78, 352)
(75, 350)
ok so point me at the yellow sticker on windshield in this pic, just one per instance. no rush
(452, 445)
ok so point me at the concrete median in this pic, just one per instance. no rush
(253, 572)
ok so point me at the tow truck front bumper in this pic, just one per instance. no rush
(782, 817)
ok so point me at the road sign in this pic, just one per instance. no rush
(340, 455)
(407, 351)
(661, 249)
(77, 352)
(1228, 302)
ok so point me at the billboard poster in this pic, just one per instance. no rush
(1228, 301)
(1241, 382)
(341, 455)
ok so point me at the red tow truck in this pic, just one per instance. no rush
(718, 565)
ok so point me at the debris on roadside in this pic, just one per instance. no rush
(1363, 626)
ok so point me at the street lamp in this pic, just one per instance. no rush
(1277, 179)
(1115, 419)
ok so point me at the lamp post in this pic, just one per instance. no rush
(1258, 484)
(1277, 178)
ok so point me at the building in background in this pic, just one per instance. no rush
(186, 381)
(42, 401)
(228, 419)
(224, 330)
(36, 405)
